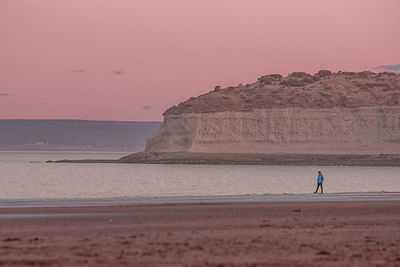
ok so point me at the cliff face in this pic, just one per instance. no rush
(324, 113)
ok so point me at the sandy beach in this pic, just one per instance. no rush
(359, 233)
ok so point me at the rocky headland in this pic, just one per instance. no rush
(324, 113)
(346, 118)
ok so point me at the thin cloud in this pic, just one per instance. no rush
(4, 94)
(118, 72)
(81, 70)
(394, 68)
(147, 107)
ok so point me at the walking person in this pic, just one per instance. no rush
(320, 180)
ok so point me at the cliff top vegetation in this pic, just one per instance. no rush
(324, 89)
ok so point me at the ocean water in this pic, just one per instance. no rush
(25, 176)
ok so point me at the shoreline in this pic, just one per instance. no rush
(387, 160)
(220, 234)
(188, 200)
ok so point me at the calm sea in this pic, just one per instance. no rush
(25, 176)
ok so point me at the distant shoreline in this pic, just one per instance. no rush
(388, 160)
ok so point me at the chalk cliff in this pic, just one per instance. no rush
(324, 113)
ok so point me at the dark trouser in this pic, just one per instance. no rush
(319, 185)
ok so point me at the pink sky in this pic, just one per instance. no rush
(131, 60)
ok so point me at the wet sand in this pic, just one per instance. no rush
(360, 233)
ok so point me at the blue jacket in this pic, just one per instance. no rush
(320, 178)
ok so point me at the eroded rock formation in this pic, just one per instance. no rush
(331, 113)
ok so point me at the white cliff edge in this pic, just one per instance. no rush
(365, 130)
